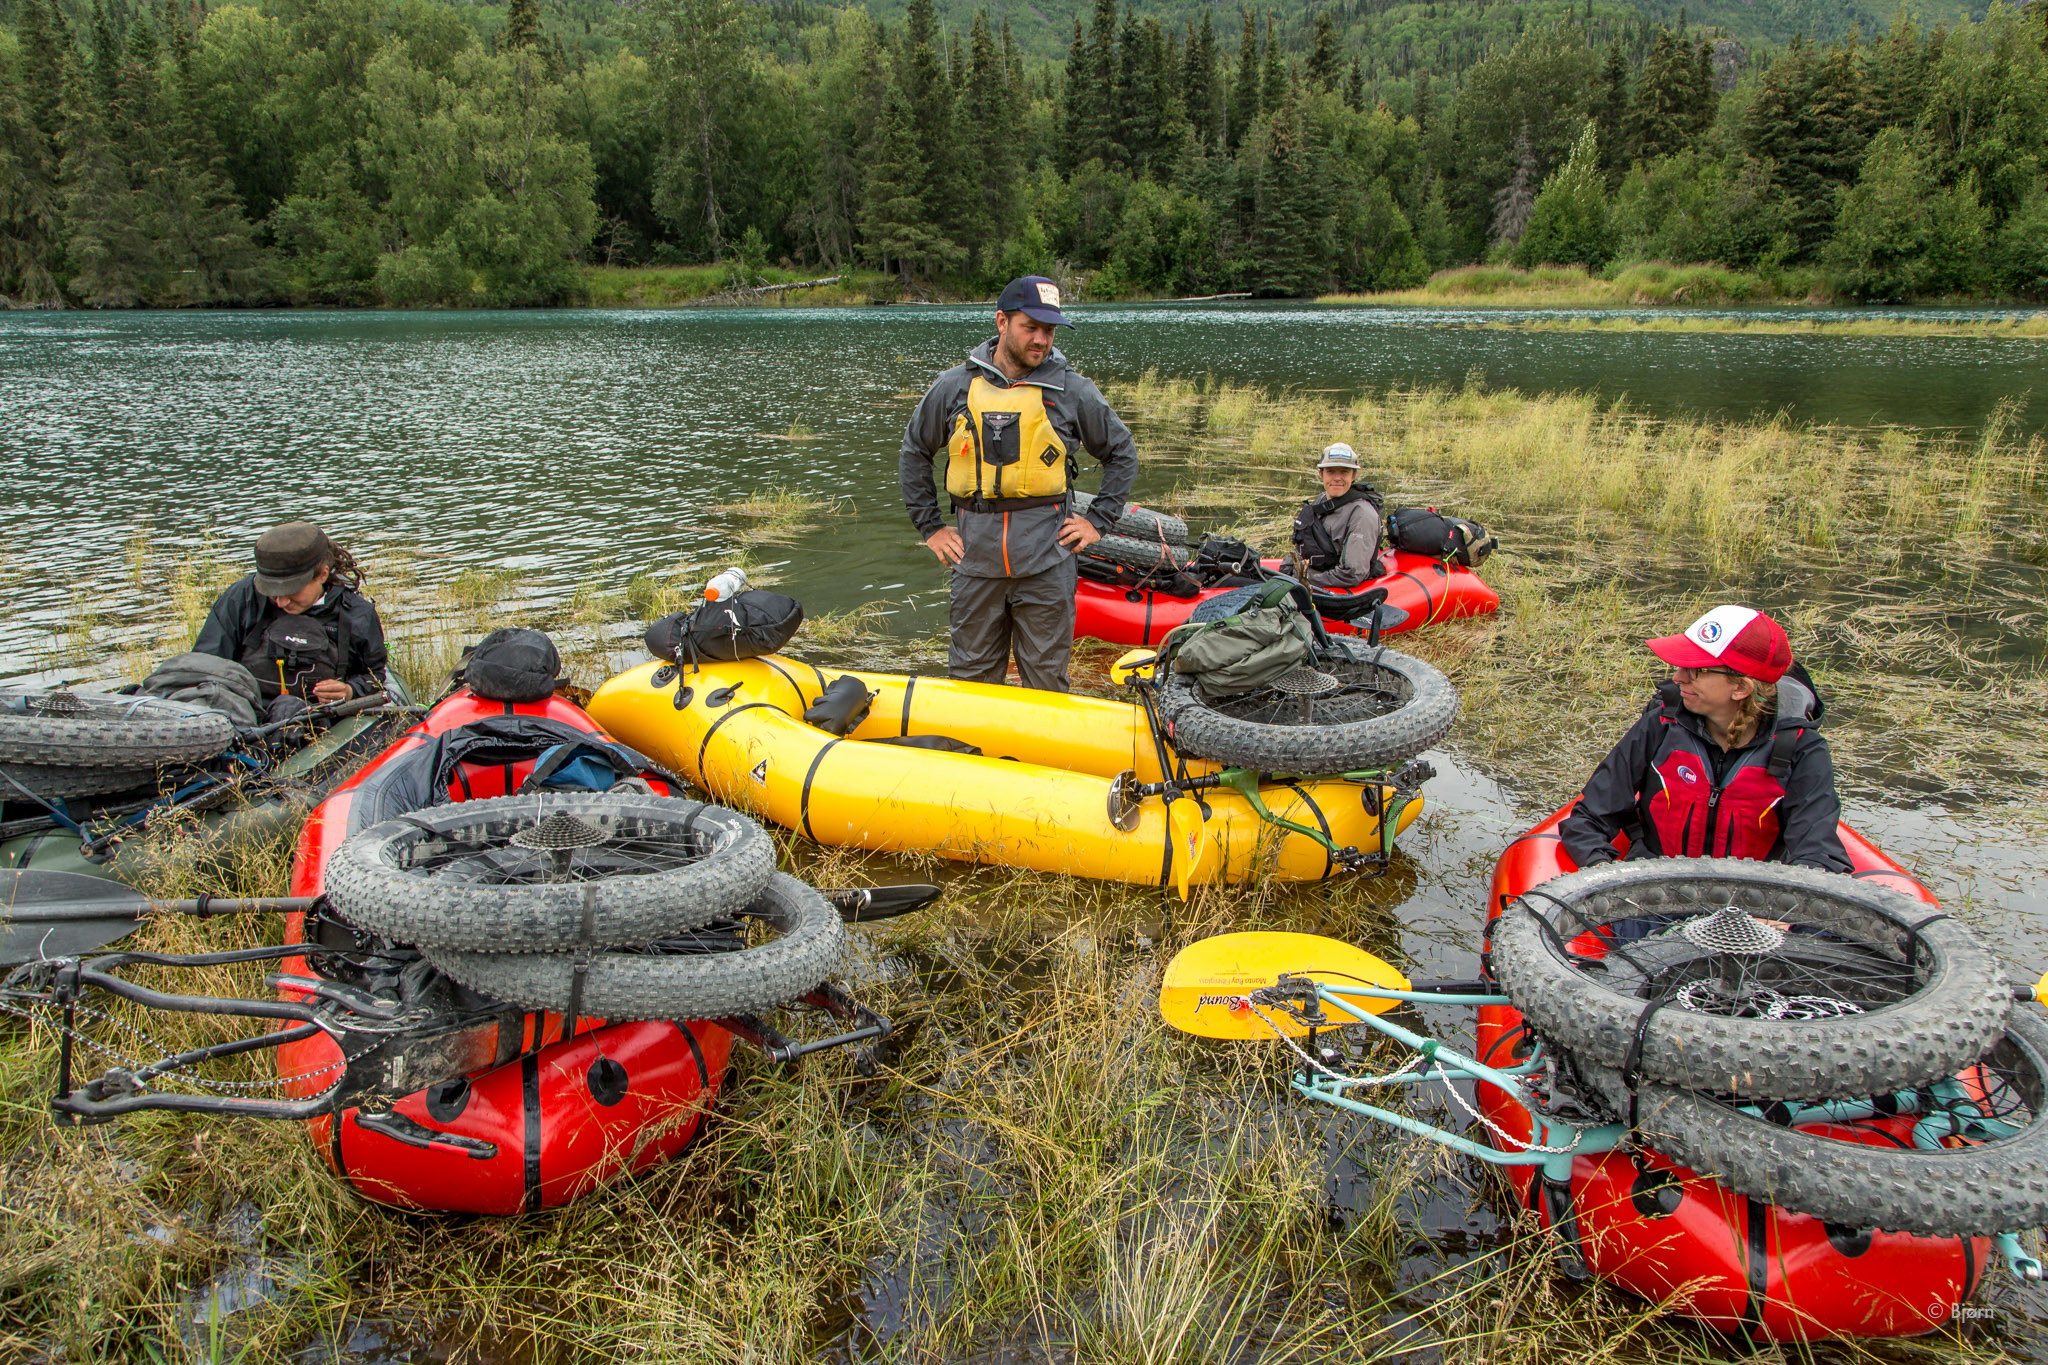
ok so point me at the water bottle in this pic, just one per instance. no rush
(727, 584)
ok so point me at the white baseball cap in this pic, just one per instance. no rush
(1338, 456)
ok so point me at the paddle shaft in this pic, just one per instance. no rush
(64, 912)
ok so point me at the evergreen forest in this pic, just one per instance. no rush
(427, 153)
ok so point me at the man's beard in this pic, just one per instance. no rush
(1016, 354)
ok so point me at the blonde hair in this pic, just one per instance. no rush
(1762, 702)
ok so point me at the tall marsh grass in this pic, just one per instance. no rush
(1552, 286)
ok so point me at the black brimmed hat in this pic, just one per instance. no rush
(288, 556)
(1034, 296)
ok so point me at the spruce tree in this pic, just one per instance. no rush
(107, 243)
(1103, 142)
(31, 213)
(106, 59)
(205, 248)
(1659, 114)
(1611, 113)
(1354, 89)
(949, 200)
(1424, 109)
(895, 226)
(44, 44)
(989, 116)
(522, 25)
(1129, 122)
(1322, 59)
(1244, 95)
(1282, 249)
(1078, 104)
(1274, 82)
(1202, 84)
(1898, 76)
(1013, 69)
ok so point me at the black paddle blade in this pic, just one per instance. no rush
(862, 905)
(62, 914)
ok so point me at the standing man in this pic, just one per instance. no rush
(1009, 421)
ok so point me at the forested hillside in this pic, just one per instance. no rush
(425, 153)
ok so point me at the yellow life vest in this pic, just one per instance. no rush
(1004, 447)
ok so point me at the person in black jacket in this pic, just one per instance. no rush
(300, 623)
(1727, 760)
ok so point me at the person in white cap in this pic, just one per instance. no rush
(1727, 760)
(1337, 535)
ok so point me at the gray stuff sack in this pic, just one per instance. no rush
(221, 685)
(1247, 650)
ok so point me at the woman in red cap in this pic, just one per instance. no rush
(1726, 762)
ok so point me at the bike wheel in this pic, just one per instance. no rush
(709, 976)
(548, 871)
(1353, 708)
(1989, 1174)
(1775, 982)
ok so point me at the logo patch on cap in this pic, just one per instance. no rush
(1049, 294)
(1715, 631)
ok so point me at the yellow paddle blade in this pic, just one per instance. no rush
(1191, 841)
(1207, 983)
(1135, 664)
(2041, 989)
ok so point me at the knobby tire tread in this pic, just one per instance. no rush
(810, 946)
(1944, 1025)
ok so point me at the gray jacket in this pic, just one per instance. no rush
(1022, 543)
(1356, 528)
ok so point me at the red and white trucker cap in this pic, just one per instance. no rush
(1738, 638)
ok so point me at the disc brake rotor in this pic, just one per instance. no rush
(1731, 963)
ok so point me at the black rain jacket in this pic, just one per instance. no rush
(241, 613)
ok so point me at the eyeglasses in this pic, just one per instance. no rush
(1688, 674)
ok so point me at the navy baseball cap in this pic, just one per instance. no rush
(1036, 297)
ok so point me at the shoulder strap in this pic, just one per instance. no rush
(1783, 745)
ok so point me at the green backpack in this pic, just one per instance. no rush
(1245, 651)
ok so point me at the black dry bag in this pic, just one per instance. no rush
(744, 626)
(1426, 531)
(842, 705)
(512, 664)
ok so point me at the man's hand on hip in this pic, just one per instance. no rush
(1078, 533)
(947, 545)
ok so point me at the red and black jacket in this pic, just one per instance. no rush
(1772, 799)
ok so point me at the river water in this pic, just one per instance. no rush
(576, 449)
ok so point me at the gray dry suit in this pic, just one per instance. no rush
(1014, 585)
(1355, 527)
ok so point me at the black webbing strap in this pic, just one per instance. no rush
(1913, 935)
(581, 970)
(1631, 1066)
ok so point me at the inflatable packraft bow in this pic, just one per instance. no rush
(1047, 780)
